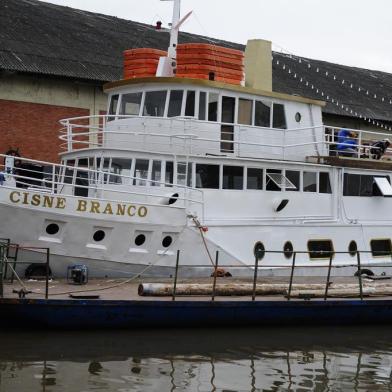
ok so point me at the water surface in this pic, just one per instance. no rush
(242, 359)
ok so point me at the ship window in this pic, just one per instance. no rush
(202, 105)
(259, 250)
(352, 248)
(270, 183)
(361, 185)
(262, 114)
(190, 104)
(175, 103)
(140, 240)
(320, 249)
(213, 100)
(288, 250)
(255, 179)
(310, 182)
(207, 176)
(167, 241)
(52, 228)
(381, 247)
(99, 235)
(154, 103)
(169, 174)
(113, 107)
(279, 119)
(324, 183)
(190, 174)
(141, 172)
(181, 173)
(233, 177)
(228, 110)
(227, 138)
(130, 104)
(156, 173)
(120, 168)
(294, 177)
(245, 111)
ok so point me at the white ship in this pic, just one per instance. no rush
(200, 166)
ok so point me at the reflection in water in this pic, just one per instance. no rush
(307, 359)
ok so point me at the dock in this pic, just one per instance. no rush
(121, 307)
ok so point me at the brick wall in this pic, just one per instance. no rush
(33, 128)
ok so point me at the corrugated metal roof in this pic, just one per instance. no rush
(48, 39)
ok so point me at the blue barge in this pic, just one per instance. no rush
(105, 314)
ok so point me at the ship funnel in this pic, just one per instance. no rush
(258, 64)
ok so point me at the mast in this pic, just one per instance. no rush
(167, 65)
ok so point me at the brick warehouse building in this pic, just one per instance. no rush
(54, 61)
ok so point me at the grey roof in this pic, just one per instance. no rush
(47, 39)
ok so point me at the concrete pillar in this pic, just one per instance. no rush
(258, 64)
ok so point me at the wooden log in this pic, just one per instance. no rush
(222, 289)
(344, 292)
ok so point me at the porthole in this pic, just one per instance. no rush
(52, 229)
(173, 198)
(298, 117)
(140, 240)
(167, 241)
(259, 250)
(99, 235)
(352, 248)
(288, 250)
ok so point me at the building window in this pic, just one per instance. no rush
(262, 114)
(324, 183)
(254, 179)
(207, 176)
(381, 247)
(175, 103)
(245, 111)
(279, 118)
(310, 182)
(320, 249)
(190, 104)
(233, 177)
(130, 104)
(154, 103)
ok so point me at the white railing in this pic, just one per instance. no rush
(64, 179)
(189, 136)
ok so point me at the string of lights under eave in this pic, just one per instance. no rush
(326, 96)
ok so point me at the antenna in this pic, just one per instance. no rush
(167, 65)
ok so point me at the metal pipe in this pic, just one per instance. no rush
(215, 275)
(47, 274)
(359, 275)
(255, 278)
(176, 275)
(328, 277)
(291, 276)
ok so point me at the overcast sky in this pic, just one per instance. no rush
(352, 32)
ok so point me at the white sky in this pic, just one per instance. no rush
(352, 32)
